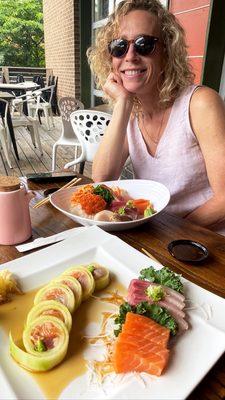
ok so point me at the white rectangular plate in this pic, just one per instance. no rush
(192, 356)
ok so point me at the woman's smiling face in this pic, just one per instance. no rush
(139, 74)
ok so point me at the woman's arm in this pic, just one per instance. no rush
(207, 115)
(113, 150)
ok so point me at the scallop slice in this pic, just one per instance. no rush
(84, 276)
(73, 284)
(52, 308)
(58, 292)
(100, 275)
(105, 215)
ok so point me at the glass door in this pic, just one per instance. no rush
(100, 11)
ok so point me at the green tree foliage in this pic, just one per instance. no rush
(21, 33)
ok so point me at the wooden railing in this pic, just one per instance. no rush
(9, 74)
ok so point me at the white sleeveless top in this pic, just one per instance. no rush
(178, 162)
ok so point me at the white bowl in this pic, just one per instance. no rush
(156, 192)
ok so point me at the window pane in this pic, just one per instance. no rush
(101, 10)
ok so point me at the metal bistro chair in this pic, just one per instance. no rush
(4, 131)
(40, 104)
(27, 121)
(67, 105)
(89, 126)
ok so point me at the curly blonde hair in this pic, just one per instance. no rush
(177, 73)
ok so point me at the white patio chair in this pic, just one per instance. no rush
(89, 126)
(40, 104)
(4, 133)
(27, 121)
(67, 105)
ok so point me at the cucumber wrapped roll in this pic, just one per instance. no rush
(58, 292)
(73, 284)
(100, 275)
(53, 308)
(84, 277)
(46, 341)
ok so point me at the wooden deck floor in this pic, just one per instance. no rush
(30, 159)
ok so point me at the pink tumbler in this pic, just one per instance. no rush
(15, 224)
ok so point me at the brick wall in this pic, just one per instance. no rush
(62, 53)
(193, 16)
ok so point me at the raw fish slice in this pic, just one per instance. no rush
(173, 303)
(137, 293)
(141, 346)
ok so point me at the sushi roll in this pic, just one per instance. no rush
(73, 284)
(58, 292)
(52, 308)
(100, 275)
(46, 342)
(84, 276)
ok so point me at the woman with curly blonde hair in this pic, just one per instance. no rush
(172, 130)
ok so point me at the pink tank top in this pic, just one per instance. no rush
(178, 162)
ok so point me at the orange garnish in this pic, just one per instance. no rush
(91, 203)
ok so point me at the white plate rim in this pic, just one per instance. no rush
(97, 236)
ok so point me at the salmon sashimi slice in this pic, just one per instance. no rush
(141, 346)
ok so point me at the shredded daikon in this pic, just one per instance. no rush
(8, 286)
(101, 373)
(205, 308)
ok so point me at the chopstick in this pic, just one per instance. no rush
(149, 255)
(47, 199)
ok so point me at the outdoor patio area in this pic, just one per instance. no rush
(30, 159)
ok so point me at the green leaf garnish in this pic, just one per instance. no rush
(149, 211)
(105, 193)
(153, 311)
(164, 277)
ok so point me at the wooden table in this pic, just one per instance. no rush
(154, 237)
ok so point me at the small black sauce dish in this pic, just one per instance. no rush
(188, 251)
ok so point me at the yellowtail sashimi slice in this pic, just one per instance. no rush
(52, 308)
(46, 341)
(58, 292)
(73, 284)
(84, 277)
(100, 275)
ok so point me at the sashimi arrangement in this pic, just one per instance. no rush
(46, 334)
(152, 314)
(111, 204)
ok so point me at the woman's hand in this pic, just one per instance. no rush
(113, 87)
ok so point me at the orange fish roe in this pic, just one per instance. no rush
(90, 203)
(75, 198)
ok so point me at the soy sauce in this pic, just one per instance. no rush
(187, 250)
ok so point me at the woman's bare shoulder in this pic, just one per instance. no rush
(203, 98)
(207, 109)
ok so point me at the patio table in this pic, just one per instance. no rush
(19, 86)
(154, 237)
(20, 89)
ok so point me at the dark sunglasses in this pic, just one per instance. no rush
(144, 45)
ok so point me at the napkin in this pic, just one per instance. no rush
(49, 240)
